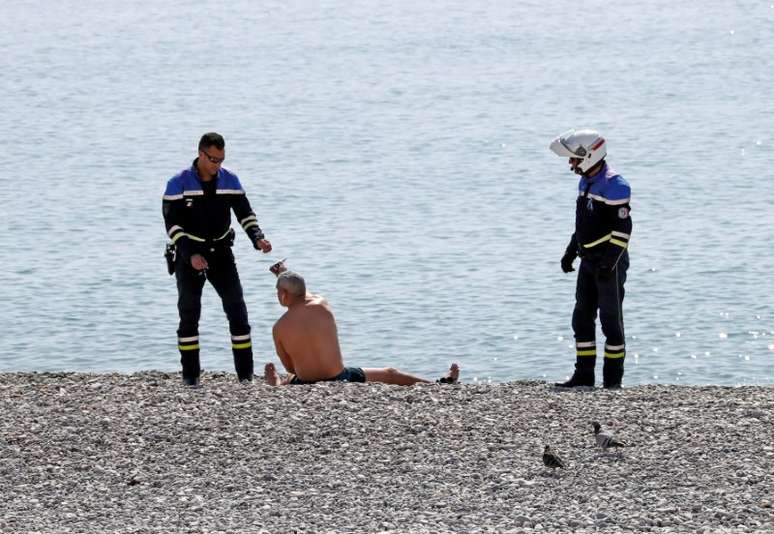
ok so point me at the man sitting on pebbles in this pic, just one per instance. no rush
(307, 342)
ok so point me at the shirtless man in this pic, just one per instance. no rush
(307, 342)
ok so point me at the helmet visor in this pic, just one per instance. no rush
(565, 146)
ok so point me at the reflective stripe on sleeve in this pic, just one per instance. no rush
(619, 238)
(174, 229)
(249, 221)
(608, 201)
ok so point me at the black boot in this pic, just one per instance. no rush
(189, 358)
(583, 375)
(612, 373)
(243, 363)
(191, 381)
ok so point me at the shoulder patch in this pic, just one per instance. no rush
(623, 213)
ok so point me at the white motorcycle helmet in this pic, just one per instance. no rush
(586, 145)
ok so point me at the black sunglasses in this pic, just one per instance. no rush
(212, 159)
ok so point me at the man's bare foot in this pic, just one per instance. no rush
(270, 375)
(452, 376)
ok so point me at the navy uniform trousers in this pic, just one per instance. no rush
(604, 293)
(223, 276)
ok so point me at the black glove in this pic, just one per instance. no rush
(567, 260)
(570, 253)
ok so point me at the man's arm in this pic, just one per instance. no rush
(284, 357)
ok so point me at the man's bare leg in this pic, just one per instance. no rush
(390, 375)
(271, 376)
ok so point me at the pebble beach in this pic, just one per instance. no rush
(141, 452)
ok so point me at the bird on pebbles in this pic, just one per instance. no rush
(605, 438)
(550, 459)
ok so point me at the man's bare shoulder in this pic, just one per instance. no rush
(280, 323)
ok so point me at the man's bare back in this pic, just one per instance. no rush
(307, 340)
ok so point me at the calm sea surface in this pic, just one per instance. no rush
(396, 152)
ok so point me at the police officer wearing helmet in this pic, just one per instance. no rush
(197, 207)
(602, 230)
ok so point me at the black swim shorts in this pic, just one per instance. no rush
(349, 374)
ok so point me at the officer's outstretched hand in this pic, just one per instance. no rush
(198, 262)
(264, 245)
(567, 260)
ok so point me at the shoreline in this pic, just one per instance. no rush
(465, 378)
(109, 452)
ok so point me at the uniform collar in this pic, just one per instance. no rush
(601, 173)
(195, 171)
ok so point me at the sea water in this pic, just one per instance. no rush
(397, 154)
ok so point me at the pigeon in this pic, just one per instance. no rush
(550, 459)
(605, 438)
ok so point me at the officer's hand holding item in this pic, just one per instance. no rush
(567, 260)
(263, 245)
(602, 231)
(198, 262)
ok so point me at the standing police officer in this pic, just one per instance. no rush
(197, 208)
(602, 230)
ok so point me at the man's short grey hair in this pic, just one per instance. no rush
(292, 282)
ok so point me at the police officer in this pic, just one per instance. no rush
(602, 230)
(197, 207)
